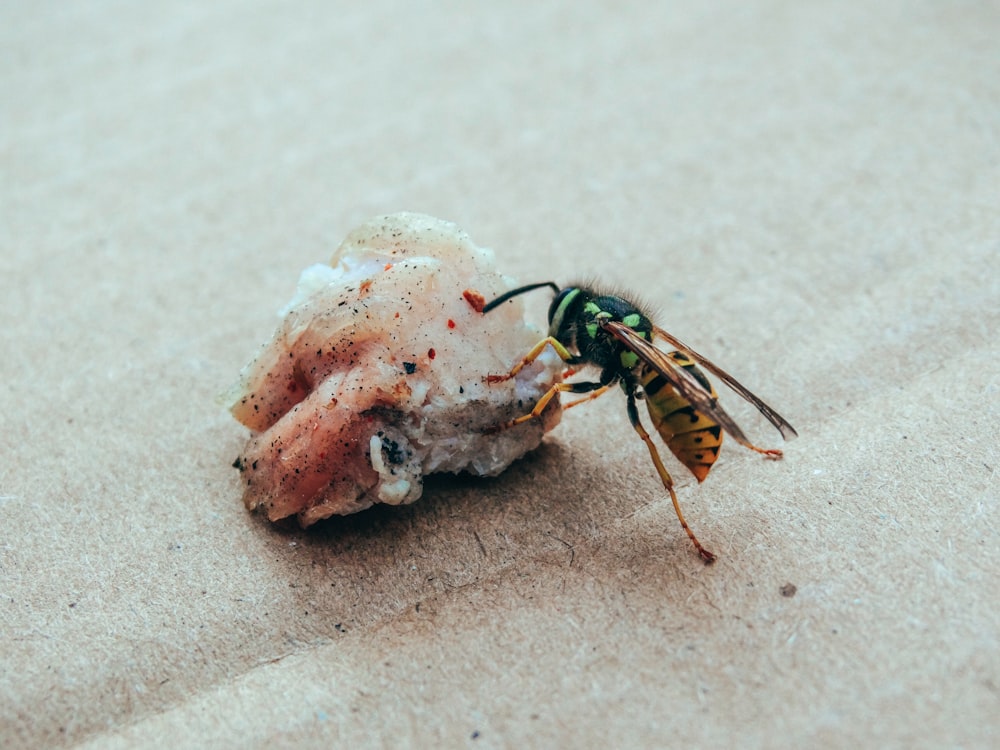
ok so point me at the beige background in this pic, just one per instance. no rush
(808, 192)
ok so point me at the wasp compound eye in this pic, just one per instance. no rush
(557, 303)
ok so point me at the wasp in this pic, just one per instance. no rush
(589, 328)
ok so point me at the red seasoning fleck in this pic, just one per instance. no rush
(387, 266)
(475, 299)
(431, 354)
(451, 323)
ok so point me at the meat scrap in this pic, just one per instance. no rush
(375, 377)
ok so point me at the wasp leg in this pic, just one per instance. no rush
(665, 477)
(591, 394)
(773, 453)
(531, 356)
(593, 390)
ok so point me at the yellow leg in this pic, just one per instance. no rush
(531, 356)
(550, 394)
(589, 397)
(665, 477)
(772, 453)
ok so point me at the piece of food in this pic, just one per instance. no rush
(376, 376)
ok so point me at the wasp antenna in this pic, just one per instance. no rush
(520, 290)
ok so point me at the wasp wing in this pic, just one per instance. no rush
(786, 430)
(684, 383)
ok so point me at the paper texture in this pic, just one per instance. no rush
(806, 193)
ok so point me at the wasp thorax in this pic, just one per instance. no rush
(607, 307)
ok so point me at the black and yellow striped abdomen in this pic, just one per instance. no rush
(692, 437)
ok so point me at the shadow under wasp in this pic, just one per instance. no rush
(591, 328)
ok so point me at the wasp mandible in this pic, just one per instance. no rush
(591, 328)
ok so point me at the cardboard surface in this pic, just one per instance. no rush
(807, 193)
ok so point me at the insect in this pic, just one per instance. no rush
(592, 328)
